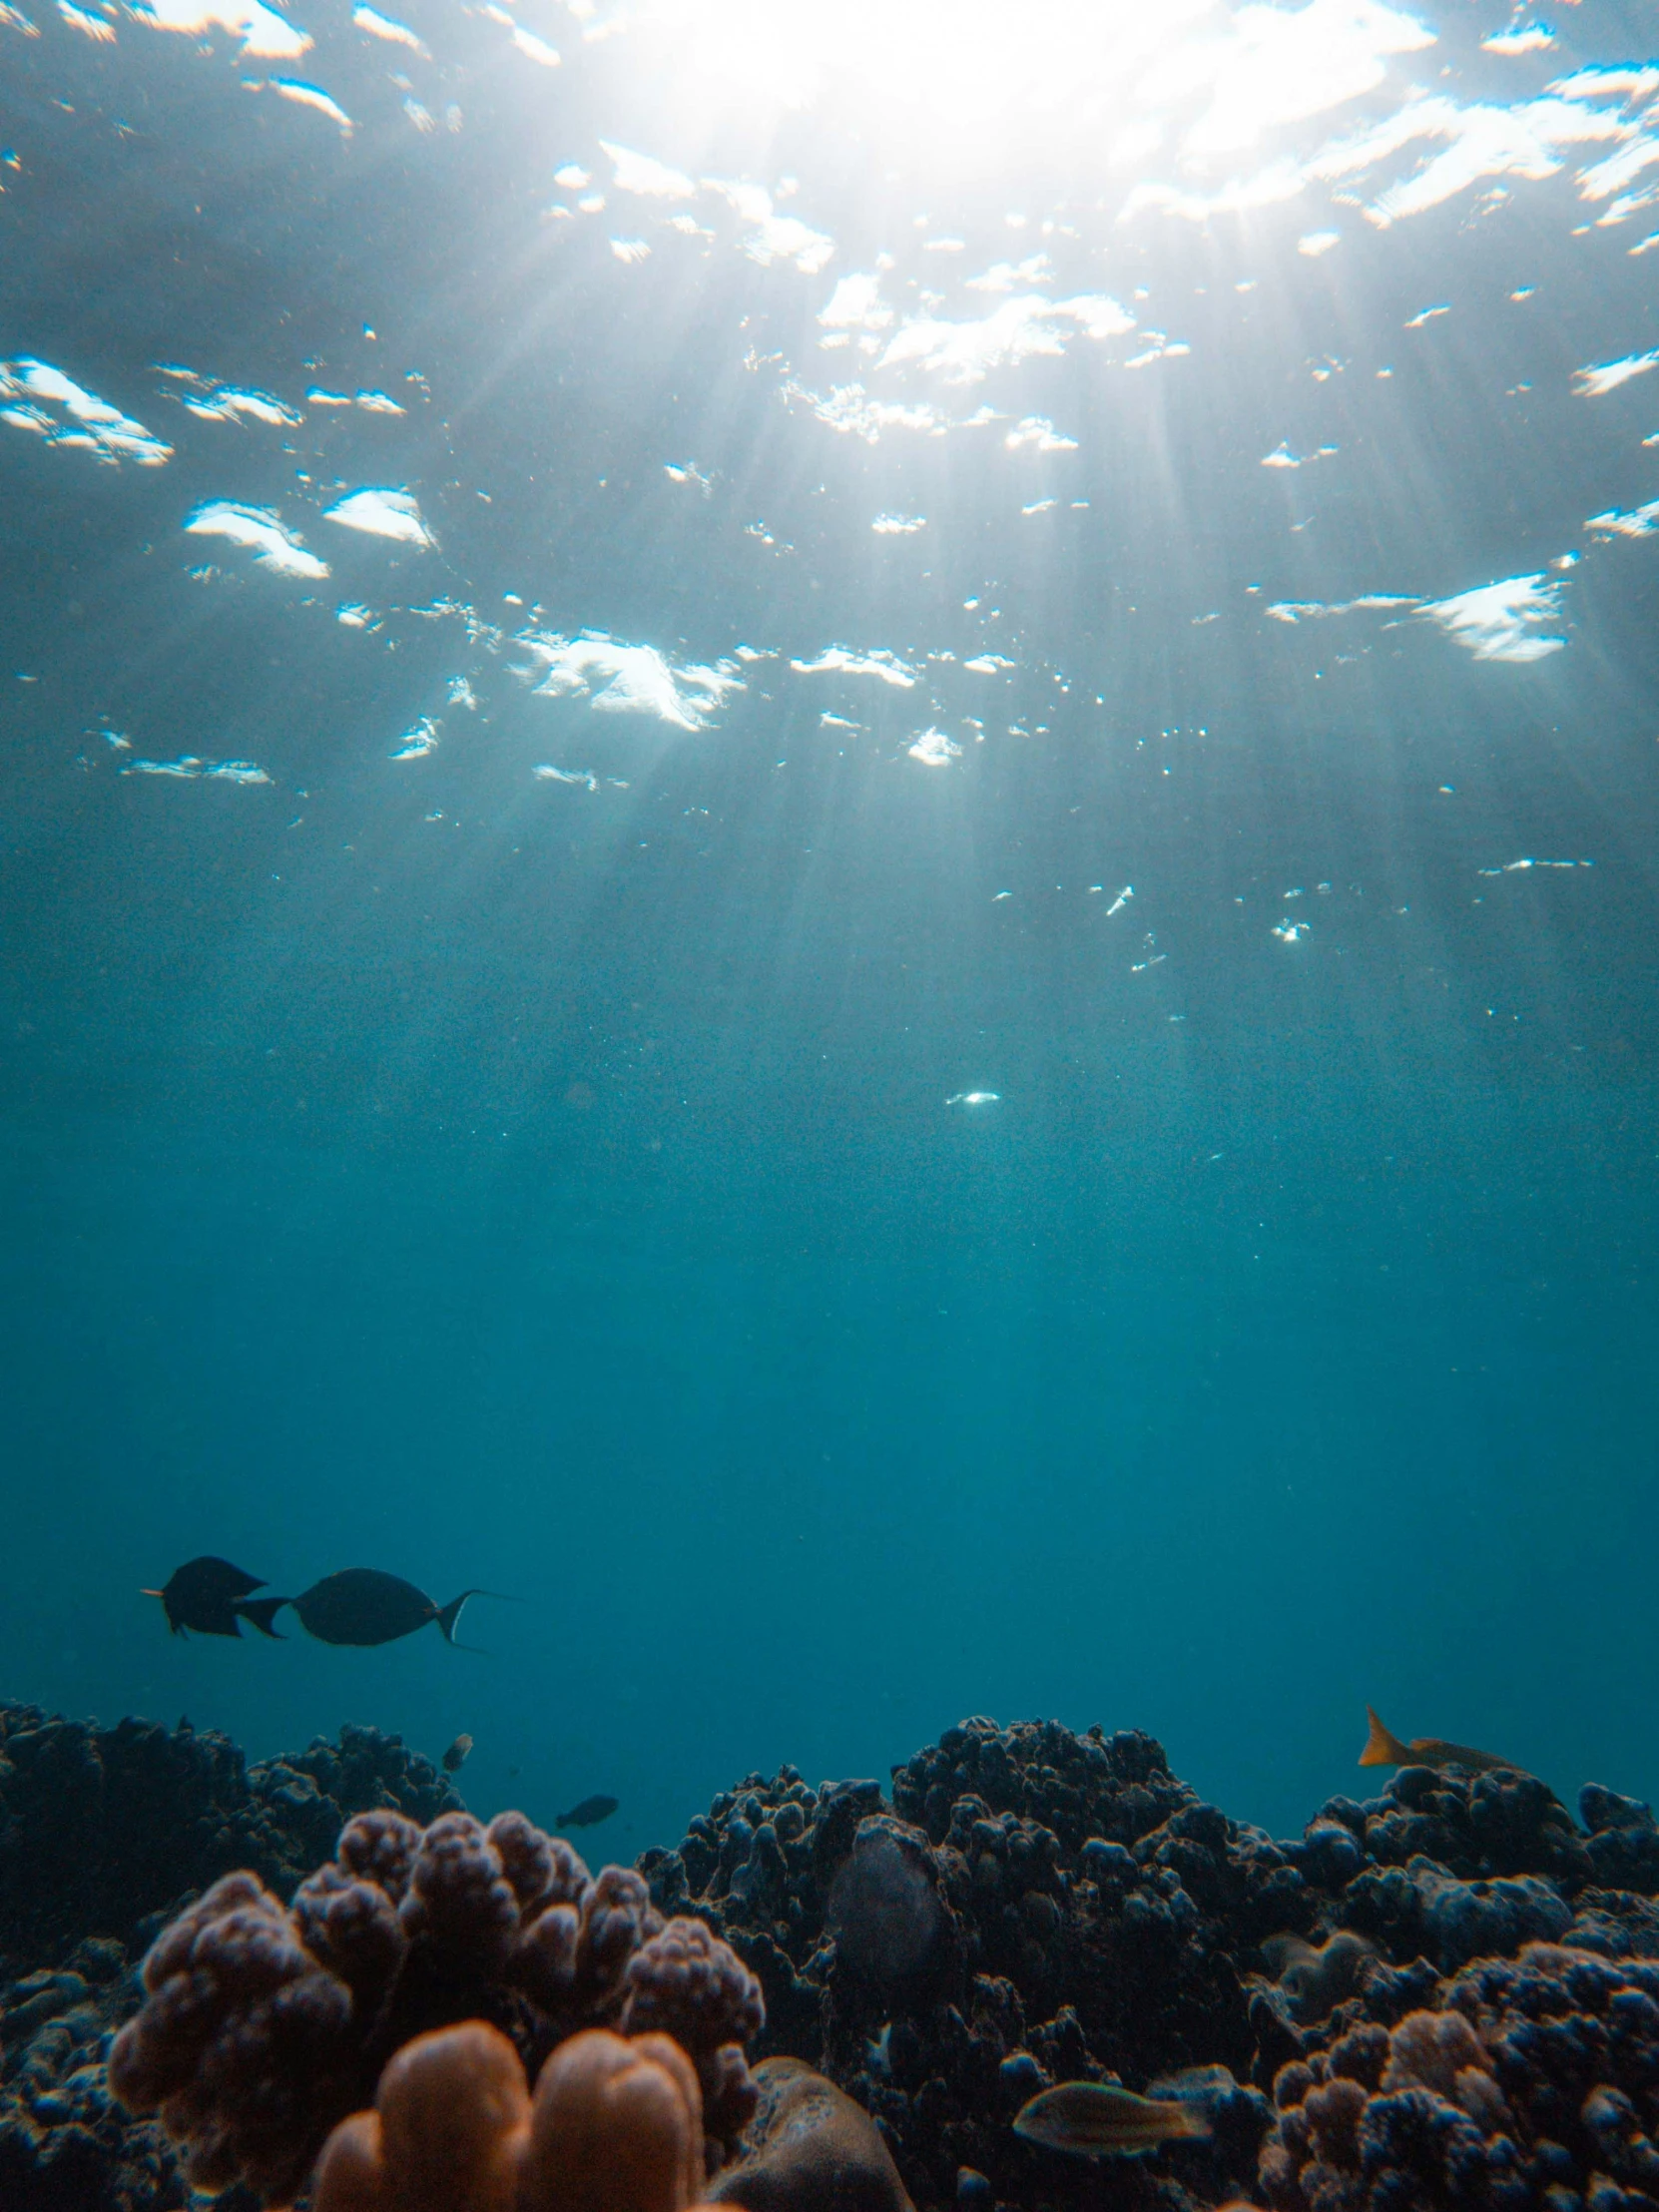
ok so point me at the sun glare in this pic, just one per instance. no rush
(927, 73)
(978, 81)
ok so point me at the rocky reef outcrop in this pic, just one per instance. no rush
(104, 1834)
(1443, 1995)
(1028, 1905)
(102, 1830)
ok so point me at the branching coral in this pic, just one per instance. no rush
(1531, 2084)
(262, 2027)
(614, 2126)
(1420, 2103)
(239, 2040)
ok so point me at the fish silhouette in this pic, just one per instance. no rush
(205, 1594)
(1096, 2120)
(364, 1605)
(454, 1759)
(588, 1814)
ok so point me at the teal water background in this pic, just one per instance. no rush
(416, 1162)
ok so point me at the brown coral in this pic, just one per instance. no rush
(614, 2126)
(242, 2031)
(264, 2028)
(1528, 2086)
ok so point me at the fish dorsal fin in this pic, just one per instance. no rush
(1382, 1747)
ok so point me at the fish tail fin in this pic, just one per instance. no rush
(1382, 1747)
(261, 1611)
(448, 1615)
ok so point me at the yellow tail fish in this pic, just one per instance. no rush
(1385, 1748)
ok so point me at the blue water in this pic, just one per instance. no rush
(762, 1197)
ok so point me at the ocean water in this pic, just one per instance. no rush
(828, 833)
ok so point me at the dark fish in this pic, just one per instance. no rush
(1096, 2120)
(362, 1605)
(1385, 1748)
(454, 1759)
(588, 1814)
(204, 1594)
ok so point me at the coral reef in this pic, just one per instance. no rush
(64, 2145)
(1531, 2082)
(1031, 1906)
(100, 1829)
(1448, 1989)
(103, 1831)
(615, 2126)
(262, 2027)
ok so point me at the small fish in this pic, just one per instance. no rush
(204, 1594)
(454, 1759)
(1096, 2120)
(588, 1814)
(1385, 1748)
(364, 1605)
